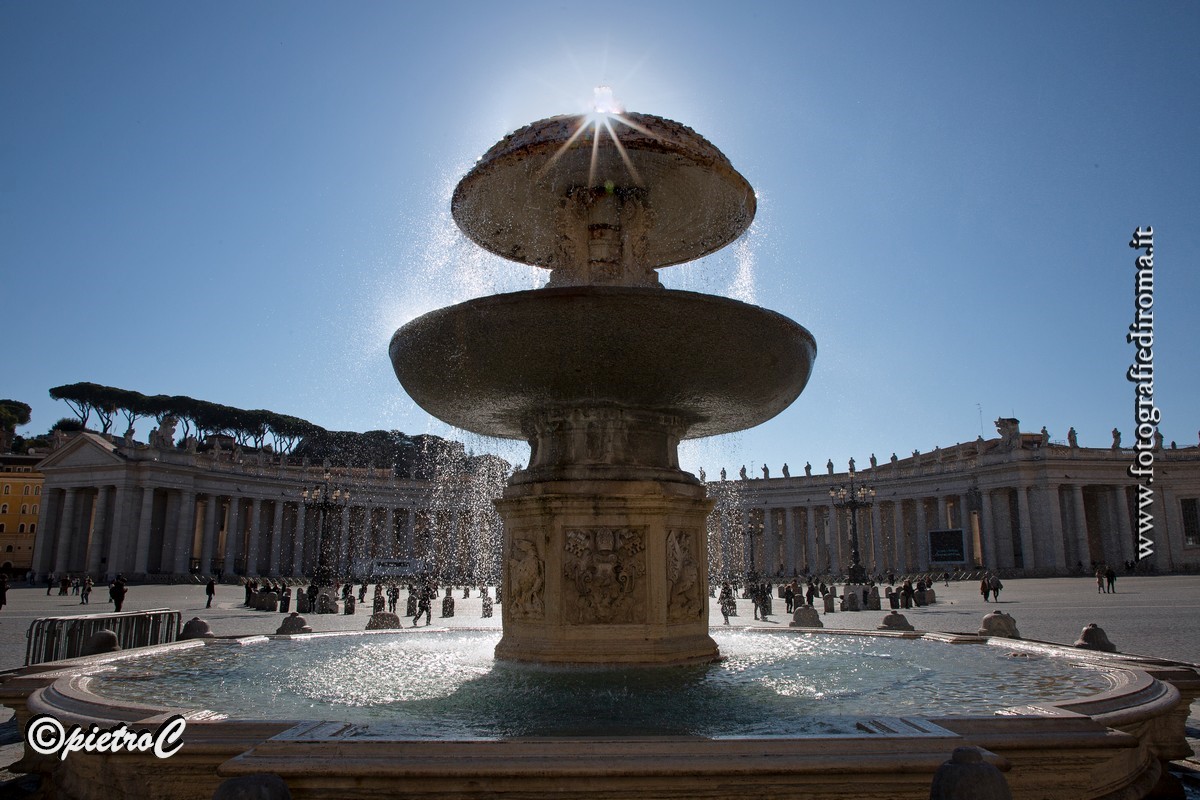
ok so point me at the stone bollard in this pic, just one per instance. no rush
(829, 599)
(850, 601)
(806, 617)
(349, 604)
(895, 621)
(999, 624)
(101, 642)
(1093, 637)
(930, 596)
(382, 620)
(293, 623)
(253, 787)
(448, 604)
(487, 606)
(966, 776)
(196, 628)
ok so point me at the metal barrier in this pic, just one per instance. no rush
(54, 638)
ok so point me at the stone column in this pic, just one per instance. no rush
(410, 521)
(810, 540)
(43, 543)
(1124, 528)
(66, 532)
(1084, 548)
(118, 544)
(389, 527)
(831, 540)
(299, 541)
(343, 563)
(922, 537)
(276, 538)
(1057, 549)
(233, 532)
(185, 536)
(900, 565)
(878, 556)
(141, 553)
(770, 542)
(789, 542)
(255, 533)
(987, 530)
(209, 538)
(1028, 554)
(170, 530)
(943, 511)
(97, 541)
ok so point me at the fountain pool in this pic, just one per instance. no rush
(446, 685)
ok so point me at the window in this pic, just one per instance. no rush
(4, 508)
(33, 527)
(35, 509)
(21, 528)
(1191, 522)
(25, 489)
(24, 509)
(8, 549)
(7, 488)
(37, 490)
(1, 527)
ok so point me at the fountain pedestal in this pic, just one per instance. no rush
(605, 572)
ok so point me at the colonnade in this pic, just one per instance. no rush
(1032, 529)
(114, 529)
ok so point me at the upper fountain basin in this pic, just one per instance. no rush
(488, 365)
(512, 201)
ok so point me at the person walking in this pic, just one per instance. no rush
(210, 589)
(3, 591)
(85, 590)
(1110, 580)
(117, 592)
(1100, 579)
(996, 586)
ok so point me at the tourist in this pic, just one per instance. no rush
(985, 588)
(49, 583)
(1110, 579)
(117, 592)
(362, 593)
(64, 586)
(996, 586)
(393, 594)
(85, 591)
(726, 601)
(312, 593)
(789, 596)
(3, 591)
(423, 607)
(1100, 579)
(210, 589)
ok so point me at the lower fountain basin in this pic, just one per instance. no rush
(489, 365)
(1054, 742)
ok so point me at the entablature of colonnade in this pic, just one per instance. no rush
(91, 460)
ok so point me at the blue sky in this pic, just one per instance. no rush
(241, 202)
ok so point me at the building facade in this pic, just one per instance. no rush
(113, 506)
(1018, 504)
(20, 508)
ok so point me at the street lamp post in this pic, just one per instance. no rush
(328, 500)
(852, 499)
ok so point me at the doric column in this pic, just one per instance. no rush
(964, 523)
(810, 540)
(1124, 528)
(43, 543)
(344, 544)
(66, 531)
(1057, 549)
(118, 543)
(922, 536)
(789, 541)
(97, 541)
(410, 522)
(141, 552)
(987, 530)
(878, 557)
(276, 538)
(770, 542)
(943, 512)
(233, 532)
(209, 538)
(299, 542)
(254, 542)
(831, 540)
(1028, 556)
(1083, 547)
(389, 527)
(185, 536)
(900, 564)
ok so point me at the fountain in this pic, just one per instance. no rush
(603, 372)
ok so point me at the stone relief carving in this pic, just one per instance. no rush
(603, 570)
(526, 578)
(684, 601)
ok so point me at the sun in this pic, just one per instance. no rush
(599, 119)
